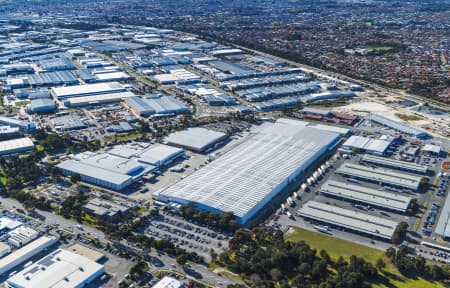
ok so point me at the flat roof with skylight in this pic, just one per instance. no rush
(349, 219)
(246, 178)
(361, 194)
(380, 175)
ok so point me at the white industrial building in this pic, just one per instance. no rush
(14, 146)
(21, 124)
(394, 163)
(112, 76)
(61, 268)
(176, 76)
(249, 176)
(370, 145)
(161, 155)
(360, 194)
(21, 255)
(7, 224)
(87, 90)
(5, 249)
(97, 99)
(168, 282)
(22, 236)
(106, 170)
(349, 219)
(381, 176)
(196, 139)
(121, 165)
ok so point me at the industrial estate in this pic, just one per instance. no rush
(135, 156)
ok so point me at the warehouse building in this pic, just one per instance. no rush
(156, 104)
(56, 64)
(42, 105)
(397, 164)
(160, 155)
(246, 178)
(122, 165)
(196, 139)
(432, 149)
(21, 236)
(61, 268)
(397, 126)
(348, 219)
(112, 76)
(21, 255)
(267, 61)
(443, 224)
(8, 132)
(15, 146)
(381, 176)
(177, 76)
(21, 124)
(87, 90)
(169, 282)
(67, 123)
(365, 195)
(208, 94)
(47, 79)
(105, 209)
(106, 170)
(365, 144)
(328, 96)
(97, 99)
(7, 224)
(4, 249)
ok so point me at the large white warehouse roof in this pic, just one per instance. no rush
(62, 269)
(247, 177)
(197, 139)
(88, 89)
(26, 252)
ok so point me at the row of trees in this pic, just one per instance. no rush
(225, 221)
(264, 259)
(413, 266)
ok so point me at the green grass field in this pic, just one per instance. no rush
(337, 247)
(379, 48)
(405, 117)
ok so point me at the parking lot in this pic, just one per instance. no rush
(191, 236)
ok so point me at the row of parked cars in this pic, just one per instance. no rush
(430, 220)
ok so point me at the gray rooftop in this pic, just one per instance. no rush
(245, 178)
(195, 138)
(394, 163)
(354, 220)
(366, 195)
(384, 176)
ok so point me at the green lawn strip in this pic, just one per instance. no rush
(379, 48)
(337, 247)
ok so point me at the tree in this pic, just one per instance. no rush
(391, 253)
(182, 259)
(75, 178)
(380, 264)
